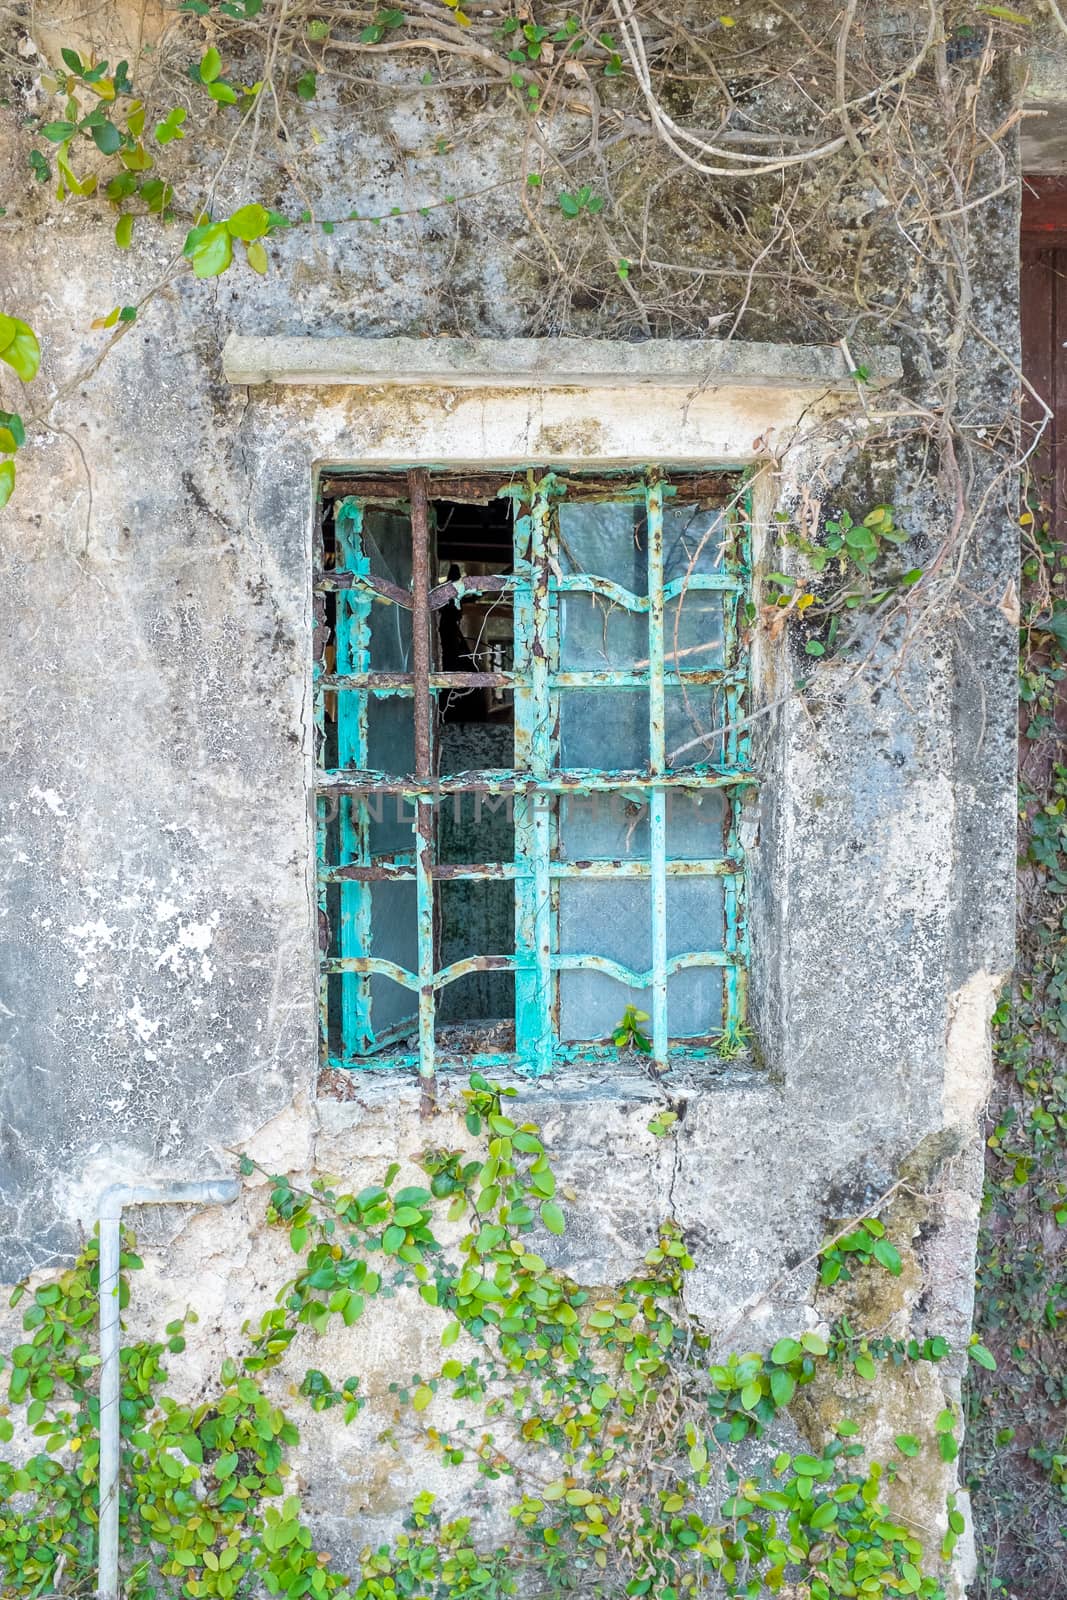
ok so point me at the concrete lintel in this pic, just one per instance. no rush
(549, 363)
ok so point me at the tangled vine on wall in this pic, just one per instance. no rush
(608, 1413)
(784, 170)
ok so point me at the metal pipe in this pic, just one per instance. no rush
(213, 1191)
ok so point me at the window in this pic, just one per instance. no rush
(529, 765)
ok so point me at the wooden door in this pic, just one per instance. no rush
(1043, 249)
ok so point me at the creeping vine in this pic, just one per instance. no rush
(608, 1413)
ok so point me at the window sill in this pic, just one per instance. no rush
(618, 1077)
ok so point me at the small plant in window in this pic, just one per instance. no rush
(662, 1123)
(629, 1035)
(732, 1043)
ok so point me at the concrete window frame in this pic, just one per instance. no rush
(348, 404)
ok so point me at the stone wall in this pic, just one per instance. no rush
(157, 944)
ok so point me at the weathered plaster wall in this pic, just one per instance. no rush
(157, 988)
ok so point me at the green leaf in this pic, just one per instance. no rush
(983, 1357)
(407, 1217)
(11, 424)
(59, 132)
(73, 60)
(124, 231)
(224, 93)
(210, 248)
(256, 257)
(888, 1255)
(422, 1397)
(451, 1334)
(19, 347)
(783, 1387)
(249, 223)
(567, 202)
(785, 1351)
(908, 1444)
(107, 138)
(210, 66)
(306, 85)
(552, 1217)
(7, 484)
(171, 128)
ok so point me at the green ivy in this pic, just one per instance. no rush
(619, 1388)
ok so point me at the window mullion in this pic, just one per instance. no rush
(657, 765)
(533, 811)
(424, 804)
(353, 655)
(735, 751)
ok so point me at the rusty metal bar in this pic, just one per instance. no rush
(447, 872)
(379, 682)
(381, 588)
(424, 810)
(714, 488)
(504, 781)
(445, 594)
(404, 682)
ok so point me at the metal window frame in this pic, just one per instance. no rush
(536, 782)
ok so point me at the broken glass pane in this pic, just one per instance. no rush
(386, 541)
(607, 539)
(476, 917)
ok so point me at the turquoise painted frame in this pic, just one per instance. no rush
(536, 783)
